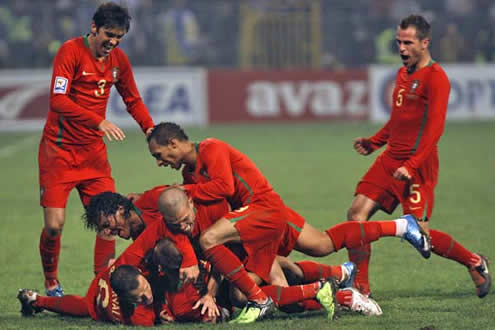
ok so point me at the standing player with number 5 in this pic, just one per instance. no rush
(72, 153)
(407, 171)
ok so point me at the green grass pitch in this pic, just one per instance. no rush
(315, 170)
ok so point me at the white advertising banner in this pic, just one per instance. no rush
(177, 95)
(472, 93)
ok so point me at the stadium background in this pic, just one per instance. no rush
(290, 83)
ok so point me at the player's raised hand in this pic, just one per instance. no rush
(111, 130)
(362, 146)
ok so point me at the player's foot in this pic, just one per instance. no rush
(416, 236)
(348, 274)
(362, 304)
(254, 311)
(326, 297)
(57, 291)
(481, 277)
(27, 298)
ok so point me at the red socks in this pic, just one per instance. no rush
(226, 262)
(283, 296)
(104, 251)
(444, 245)
(314, 271)
(353, 234)
(49, 252)
(70, 305)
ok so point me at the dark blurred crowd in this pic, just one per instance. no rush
(208, 33)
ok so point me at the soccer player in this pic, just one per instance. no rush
(114, 291)
(72, 153)
(407, 171)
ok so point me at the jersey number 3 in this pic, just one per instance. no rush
(100, 91)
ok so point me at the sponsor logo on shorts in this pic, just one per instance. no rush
(42, 192)
(60, 86)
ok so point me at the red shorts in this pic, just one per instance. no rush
(261, 230)
(416, 196)
(293, 228)
(62, 168)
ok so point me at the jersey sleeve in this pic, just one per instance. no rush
(380, 138)
(216, 160)
(438, 96)
(126, 86)
(64, 69)
(149, 199)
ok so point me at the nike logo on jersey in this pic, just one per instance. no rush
(88, 73)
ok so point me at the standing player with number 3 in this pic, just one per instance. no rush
(407, 171)
(72, 153)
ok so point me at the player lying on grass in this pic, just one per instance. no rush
(119, 294)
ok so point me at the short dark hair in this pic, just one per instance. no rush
(423, 28)
(164, 132)
(111, 15)
(123, 280)
(166, 254)
(105, 203)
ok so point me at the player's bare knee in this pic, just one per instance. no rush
(355, 214)
(208, 239)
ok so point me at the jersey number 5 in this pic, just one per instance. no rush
(400, 97)
(414, 193)
(101, 88)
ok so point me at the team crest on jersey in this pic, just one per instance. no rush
(60, 85)
(115, 74)
(414, 86)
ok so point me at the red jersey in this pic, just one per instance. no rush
(103, 303)
(224, 172)
(80, 88)
(418, 115)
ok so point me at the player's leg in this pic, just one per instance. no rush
(50, 238)
(362, 209)
(225, 261)
(32, 302)
(420, 202)
(104, 248)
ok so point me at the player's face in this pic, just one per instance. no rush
(116, 224)
(105, 39)
(169, 155)
(142, 294)
(184, 220)
(411, 49)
